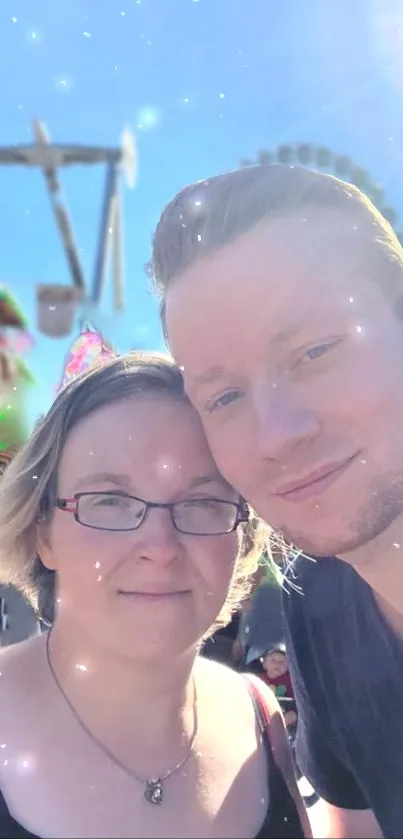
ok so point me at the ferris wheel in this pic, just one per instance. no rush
(341, 165)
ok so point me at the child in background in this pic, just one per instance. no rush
(275, 674)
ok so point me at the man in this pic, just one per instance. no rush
(282, 299)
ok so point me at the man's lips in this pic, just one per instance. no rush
(314, 483)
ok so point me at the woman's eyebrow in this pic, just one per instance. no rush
(102, 478)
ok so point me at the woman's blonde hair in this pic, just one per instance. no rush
(28, 490)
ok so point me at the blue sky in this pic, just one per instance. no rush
(202, 83)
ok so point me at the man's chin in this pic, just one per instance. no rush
(321, 544)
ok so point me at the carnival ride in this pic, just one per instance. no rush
(58, 304)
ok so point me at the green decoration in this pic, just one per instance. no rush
(10, 312)
(15, 376)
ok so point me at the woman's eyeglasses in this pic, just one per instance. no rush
(116, 511)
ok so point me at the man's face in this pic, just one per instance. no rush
(292, 355)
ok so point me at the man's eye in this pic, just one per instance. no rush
(222, 401)
(320, 349)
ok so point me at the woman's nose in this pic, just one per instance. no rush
(158, 540)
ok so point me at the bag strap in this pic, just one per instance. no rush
(272, 727)
(283, 786)
(261, 709)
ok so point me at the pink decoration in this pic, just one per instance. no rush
(86, 351)
(16, 342)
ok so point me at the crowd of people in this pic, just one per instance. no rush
(148, 493)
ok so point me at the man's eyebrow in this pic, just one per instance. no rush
(294, 329)
(210, 375)
(213, 374)
(104, 478)
(322, 321)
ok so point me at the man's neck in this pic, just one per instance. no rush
(380, 564)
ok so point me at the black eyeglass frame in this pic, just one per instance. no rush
(241, 507)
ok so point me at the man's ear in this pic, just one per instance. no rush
(44, 546)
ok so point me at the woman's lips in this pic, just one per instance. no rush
(152, 596)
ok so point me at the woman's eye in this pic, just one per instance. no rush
(222, 401)
(111, 501)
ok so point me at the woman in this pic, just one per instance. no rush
(111, 725)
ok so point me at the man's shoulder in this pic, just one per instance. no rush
(301, 568)
(305, 572)
(315, 588)
(315, 594)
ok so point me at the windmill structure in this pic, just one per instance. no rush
(57, 304)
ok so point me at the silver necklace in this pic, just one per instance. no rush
(153, 787)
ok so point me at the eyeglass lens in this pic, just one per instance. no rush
(110, 511)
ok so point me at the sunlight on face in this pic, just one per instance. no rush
(296, 376)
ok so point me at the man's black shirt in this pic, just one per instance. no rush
(347, 671)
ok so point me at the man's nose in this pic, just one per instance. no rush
(282, 424)
(157, 538)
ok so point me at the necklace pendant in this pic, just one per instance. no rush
(154, 792)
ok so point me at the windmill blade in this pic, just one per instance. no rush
(129, 161)
(117, 255)
(60, 209)
(104, 240)
(15, 155)
(76, 153)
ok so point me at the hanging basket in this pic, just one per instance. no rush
(56, 309)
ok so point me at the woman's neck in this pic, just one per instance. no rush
(122, 701)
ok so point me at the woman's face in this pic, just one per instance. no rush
(152, 591)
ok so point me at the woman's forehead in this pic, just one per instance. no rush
(144, 439)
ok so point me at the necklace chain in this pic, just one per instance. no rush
(153, 787)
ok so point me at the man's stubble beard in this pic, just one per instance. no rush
(384, 505)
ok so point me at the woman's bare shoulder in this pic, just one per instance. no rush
(227, 689)
(20, 666)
